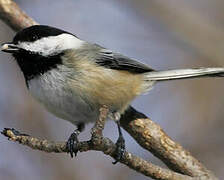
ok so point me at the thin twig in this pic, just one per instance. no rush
(99, 143)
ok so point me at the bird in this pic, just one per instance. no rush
(73, 78)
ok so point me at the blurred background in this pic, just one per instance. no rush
(164, 34)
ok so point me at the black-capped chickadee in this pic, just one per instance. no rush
(73, 78)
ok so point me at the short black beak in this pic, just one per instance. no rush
(9, 48)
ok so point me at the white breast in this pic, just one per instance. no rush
(51, 90)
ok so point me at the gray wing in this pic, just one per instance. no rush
(117, 61)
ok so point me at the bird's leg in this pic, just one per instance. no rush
(73, 140)
(120, 149)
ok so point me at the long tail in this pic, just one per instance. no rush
(183, 74)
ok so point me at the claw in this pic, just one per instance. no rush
(72, 143)
(120, 150)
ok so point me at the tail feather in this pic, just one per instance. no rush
(183, 74)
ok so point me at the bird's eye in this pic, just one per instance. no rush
(34, 37)
(15, 42)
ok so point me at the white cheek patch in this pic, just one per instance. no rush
(52, 45)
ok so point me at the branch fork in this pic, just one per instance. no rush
(98, 143)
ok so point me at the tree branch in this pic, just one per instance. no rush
(147, 133)
(98, 143)
(13, 16)
(150, 136)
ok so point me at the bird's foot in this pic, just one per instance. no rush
(72, 143)
(120, 149)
